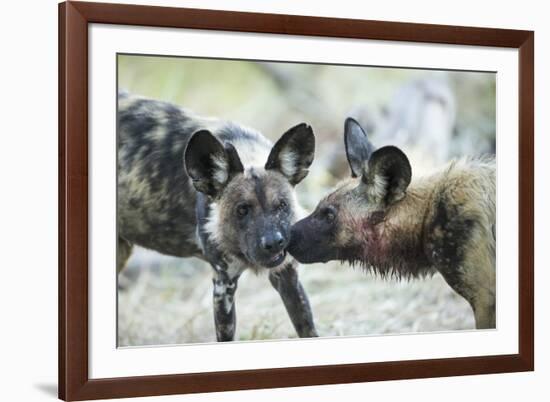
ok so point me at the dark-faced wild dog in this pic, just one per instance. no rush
(195, 187)
(381, 220)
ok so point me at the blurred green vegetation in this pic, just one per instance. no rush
(252, 94)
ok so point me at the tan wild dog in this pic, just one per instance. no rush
(387, 223)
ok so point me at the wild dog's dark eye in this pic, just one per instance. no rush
(283, 205)
(328, 214)
(243, 210)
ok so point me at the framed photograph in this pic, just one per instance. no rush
(261, 200)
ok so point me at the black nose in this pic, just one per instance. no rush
(273, 242)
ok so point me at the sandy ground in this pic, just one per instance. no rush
(165, 300)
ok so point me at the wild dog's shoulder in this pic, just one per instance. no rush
(468, 187)
(475, 173)
(462, 205)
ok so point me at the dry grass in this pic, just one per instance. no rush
(165, 300)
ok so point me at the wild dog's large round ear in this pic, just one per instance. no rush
(293, 154)
(209, 164)
(387, 176)
(358, 147)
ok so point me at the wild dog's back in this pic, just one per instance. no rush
(155, 198)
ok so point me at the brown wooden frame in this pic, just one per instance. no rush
(74, 17)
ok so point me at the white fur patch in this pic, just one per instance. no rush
(221, 170)
(157, 134)
(212, 226)
(221, 295)
(252, 154)
(288, 161)
(378, 187)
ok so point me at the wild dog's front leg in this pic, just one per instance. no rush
(475, 281)
(484, 310)
(472, 283)
(294, 297)
(225, 286)
(479, 279)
